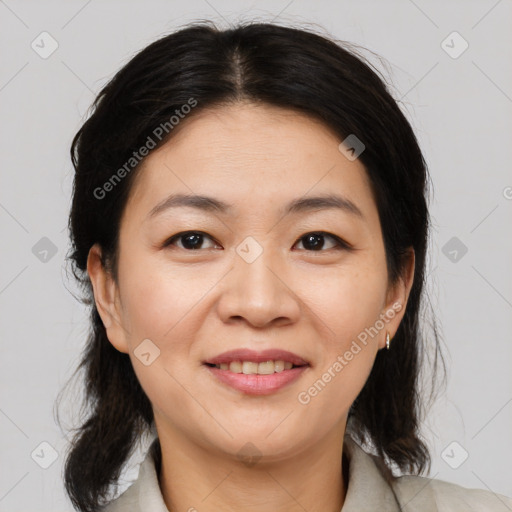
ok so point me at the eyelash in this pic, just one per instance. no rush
(340, 244)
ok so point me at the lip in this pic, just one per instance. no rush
(256, 384)
(245, 354)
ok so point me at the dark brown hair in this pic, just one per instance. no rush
(287, 67)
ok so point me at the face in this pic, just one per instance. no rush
(246, 272)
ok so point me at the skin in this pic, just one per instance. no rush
(196, 304)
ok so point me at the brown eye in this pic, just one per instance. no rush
(316, 241)
(191, 240)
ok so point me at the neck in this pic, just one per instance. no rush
(195, 478)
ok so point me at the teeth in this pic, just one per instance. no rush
(248, 368)
(278, 366)
(251, 368)
(266, 368)
(235, 367)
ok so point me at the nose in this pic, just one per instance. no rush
(259, 293)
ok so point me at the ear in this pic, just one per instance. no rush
(397, 297)
(107, 300)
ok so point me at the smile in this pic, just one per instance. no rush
(248, 378)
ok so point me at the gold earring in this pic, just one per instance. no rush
(387, 340)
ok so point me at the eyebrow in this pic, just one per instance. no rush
(300, 205)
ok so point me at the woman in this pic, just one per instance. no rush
(249, 223)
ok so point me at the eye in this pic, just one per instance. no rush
(192, 240)
(315, 241)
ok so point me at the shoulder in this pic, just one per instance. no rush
(372, 484)
(127, 501)
(143, 495)
(425, 494)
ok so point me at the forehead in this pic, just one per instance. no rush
(256, 157)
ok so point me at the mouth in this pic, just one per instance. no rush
(250, 362)
(256, 373)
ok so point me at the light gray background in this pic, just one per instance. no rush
(459, 107)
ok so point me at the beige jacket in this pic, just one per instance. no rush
(367, 491)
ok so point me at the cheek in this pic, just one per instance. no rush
(345, 309)
(156, 300)
(346, 301)
(159, 305)
(163, 305)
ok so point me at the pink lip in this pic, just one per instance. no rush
(257, 384)
(244, 354)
